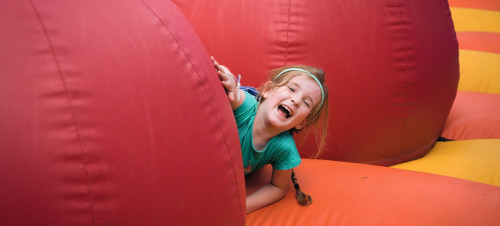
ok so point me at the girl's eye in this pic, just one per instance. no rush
(307, 104)
(291, 89)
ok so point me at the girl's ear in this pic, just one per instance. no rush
(265, 92)
(301, 125)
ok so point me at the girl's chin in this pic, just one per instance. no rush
(279, 123)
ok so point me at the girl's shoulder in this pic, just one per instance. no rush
(284, 152)
(285, 141)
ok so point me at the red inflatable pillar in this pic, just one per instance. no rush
(111, 113)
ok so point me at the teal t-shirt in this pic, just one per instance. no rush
(280, 151)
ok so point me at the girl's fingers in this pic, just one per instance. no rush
(218, 66)
(213, 60)
(226, 79)
(225, 69)
(228, 85)
(221, 75)
(224, 76)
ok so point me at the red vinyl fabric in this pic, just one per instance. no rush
(112, 114)
(392, 66)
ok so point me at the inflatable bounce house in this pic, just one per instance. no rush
(112, 113)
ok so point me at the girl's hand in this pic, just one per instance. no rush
(227, 78)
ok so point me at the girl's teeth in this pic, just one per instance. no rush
(285, 110)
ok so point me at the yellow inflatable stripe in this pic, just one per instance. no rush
(479, 71)
(474, 160)
(466, 19)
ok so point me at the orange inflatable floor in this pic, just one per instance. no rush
(358, 194)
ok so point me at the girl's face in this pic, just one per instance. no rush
(288, 106)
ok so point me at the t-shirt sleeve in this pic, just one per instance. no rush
(287, 155)
(245, 110)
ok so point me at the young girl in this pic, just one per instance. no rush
(294, 98)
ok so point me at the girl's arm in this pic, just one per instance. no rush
(270, 193)
(234, 95)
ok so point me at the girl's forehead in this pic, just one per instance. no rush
(299, 76)
(303, 79)
(309, 85)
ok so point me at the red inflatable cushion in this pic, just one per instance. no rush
(112, 114)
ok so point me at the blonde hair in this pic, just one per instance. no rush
(318, 113)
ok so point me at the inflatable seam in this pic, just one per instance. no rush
(398, 6)
(203, 85)
(287, 31)
(72, 110)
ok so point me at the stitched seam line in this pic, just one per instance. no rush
(72, 110)
(204, 88)
(287, 32)
(405, 49)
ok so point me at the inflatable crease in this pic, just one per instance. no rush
(72, 110)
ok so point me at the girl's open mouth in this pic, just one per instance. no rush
(284, 111)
